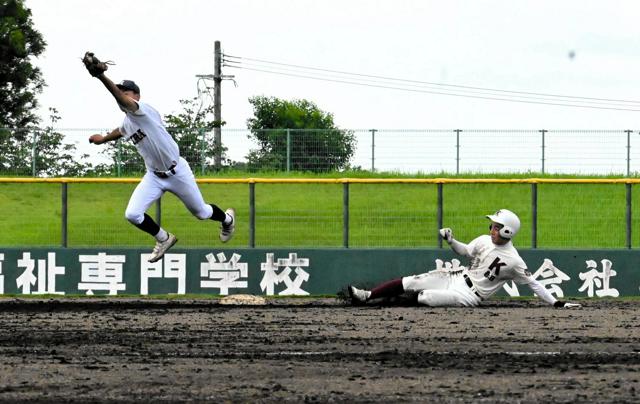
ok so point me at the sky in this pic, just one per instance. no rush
(586, 48)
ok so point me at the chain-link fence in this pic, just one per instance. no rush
(354, 213)
(389, 215)
(67, 152)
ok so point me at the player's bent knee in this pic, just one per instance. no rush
(134, 217)
(441, 298)
(426, 298)
(202, 215)
(201, 212)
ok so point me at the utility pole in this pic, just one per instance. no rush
(217, 107)
(217, 78)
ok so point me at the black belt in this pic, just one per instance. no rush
(471, 285)
(165, 174)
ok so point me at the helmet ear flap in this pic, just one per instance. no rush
(509, 221)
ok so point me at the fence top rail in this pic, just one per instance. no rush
(340, 180)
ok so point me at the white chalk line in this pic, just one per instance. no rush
(512, 353)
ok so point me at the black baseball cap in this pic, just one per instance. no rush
(128, 85)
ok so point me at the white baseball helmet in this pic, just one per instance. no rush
(509, 221)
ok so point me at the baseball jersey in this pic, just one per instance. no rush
(492, 265)
(145, 129)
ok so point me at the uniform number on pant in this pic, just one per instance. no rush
(494, 269)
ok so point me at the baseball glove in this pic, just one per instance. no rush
(94, 65)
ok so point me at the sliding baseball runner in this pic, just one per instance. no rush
(493, 261)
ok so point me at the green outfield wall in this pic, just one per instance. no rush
(113, 271)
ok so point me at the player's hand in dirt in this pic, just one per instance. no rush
(566, 305)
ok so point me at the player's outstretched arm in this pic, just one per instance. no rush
(99, 139)
(545, 295)
(127, 103)
(97, 69)
(447, 235)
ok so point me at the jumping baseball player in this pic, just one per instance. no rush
(166, 170)
(493, 261)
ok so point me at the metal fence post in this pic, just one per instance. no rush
(345, 215)
(534, 215)
(33, 154)
(543, 131)
(159, 211)
(119, 158)
(628, 151)
(457, 151)
(252, 214)
(63, 214)
(439, 214)
(629, 229)
(373, 149)
(202, 151)
(288, 150)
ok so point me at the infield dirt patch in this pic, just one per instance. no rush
(317, 350)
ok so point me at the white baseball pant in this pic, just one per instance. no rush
(441, 289)
(182, 184)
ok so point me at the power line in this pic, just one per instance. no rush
(467, 94)
(425, 82)
(365, 81)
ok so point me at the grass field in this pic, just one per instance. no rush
(310, 215)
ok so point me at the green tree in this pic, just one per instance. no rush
(15, 155)
(124, 158)
(53, 157)
(41, 152)
(20, 80)
(192, 129)
(315, 143)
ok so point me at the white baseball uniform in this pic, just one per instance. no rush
(490, 267)
(166, 170)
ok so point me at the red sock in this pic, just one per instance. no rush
(388, 289)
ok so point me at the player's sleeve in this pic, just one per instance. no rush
(468, 250)
(541, 291)
(123, 130)
(141, 111)
(460, 248)
(137, 112)
(519, 270)
(523, 276)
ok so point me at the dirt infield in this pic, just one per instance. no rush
(317, 350)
